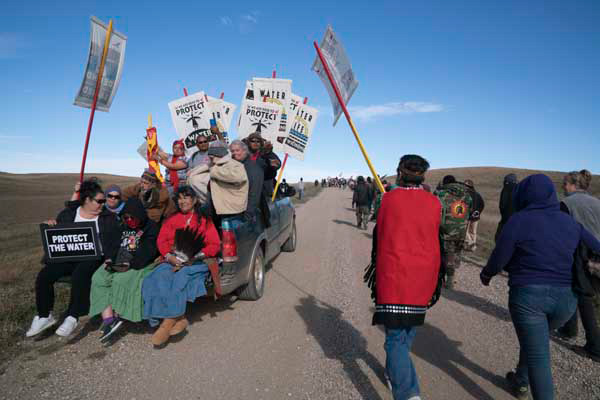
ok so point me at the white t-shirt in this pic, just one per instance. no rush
(79, 218)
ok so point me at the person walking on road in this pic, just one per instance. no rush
(361, 198)
(456, 208)
(301, 189)
(474, 217)
(585, 209)
(537, 247)
(407, 270)
(506, 201)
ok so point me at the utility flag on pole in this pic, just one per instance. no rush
(341, 71)
(113, 67)
(335, 66)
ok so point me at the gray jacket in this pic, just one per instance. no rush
(585, 209)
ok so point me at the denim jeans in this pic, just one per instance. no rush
(535, 310)
(398, 365)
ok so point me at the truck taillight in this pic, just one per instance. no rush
(229, 246)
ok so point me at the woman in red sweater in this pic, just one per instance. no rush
(176, 281)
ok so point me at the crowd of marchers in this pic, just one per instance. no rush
(549, 248)
(158, 241)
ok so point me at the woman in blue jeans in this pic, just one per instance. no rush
(536, 247)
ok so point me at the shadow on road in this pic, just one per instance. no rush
(478, 303)
(433, 346)
(341, 341)
(340, 222)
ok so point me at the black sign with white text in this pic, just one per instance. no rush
(70, 242)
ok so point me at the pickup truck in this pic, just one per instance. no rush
(249, 247)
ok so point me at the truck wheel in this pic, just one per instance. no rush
(256, 287)
(290, 244)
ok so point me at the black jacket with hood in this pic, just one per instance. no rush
(146, 250)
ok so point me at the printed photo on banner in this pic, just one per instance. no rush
(191, 118)
(301, 131)
(263, 118)
(113, 67)
(340, 68)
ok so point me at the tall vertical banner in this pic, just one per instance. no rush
(191, 118)
(260, 117)
(341, 71)
(113, 67)
(301, 131)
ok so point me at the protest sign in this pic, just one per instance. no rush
(113, 67)
(191, 118)
(70, 242)
(279, 92)
(221, 114)
(301, 131)
(341, 71)
(264, 118)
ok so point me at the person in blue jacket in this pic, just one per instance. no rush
(537, 248)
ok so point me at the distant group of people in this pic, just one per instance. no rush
(158, 241)
(549, 249)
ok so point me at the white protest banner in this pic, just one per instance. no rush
(221, 114)
(341, 71)
(260, 117)
(276, 91)
(191, 118)
(113, 67)
(227, 110)
(301, 131)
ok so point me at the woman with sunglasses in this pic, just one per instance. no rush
(89, 208)
(114, 200)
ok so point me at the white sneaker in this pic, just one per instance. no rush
(67, 327)
(40, 324)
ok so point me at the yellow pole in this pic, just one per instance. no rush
(279, 177)
(364, 152)
(149, 120)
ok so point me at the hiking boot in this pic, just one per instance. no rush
(38, 325)
(109, 329)
(520, 390)
(67, 327)
(163, 332)
(180, 326)
(584, 352)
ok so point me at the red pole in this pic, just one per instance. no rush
(96, 91)
(274, 74)
(185, 92)
(222, 95)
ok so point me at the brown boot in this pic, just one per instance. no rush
(179, 326)
(161, 335)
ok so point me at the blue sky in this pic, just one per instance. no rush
(463, 83)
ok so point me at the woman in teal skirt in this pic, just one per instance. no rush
(117, 285)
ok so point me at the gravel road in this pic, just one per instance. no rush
(309, 337)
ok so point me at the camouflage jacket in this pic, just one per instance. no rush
(456, 208)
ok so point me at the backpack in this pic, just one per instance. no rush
(457, 205)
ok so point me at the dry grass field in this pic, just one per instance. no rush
(28, 199)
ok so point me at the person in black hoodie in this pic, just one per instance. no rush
(362, 200)
(506, 201)
(117, 287)
(90, 208)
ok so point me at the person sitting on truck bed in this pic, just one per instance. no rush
(257, 201)
(261, 152)
(228, 183)
(172, 283)
(117, 284)
(89, 208)
(153, 195)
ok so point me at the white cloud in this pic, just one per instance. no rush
(10, 44)
(248, 22)
(367, 113)
(226, 21)
(250, 18)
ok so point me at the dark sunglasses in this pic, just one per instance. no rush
(114, 196)
(202, 142)
(100, 201)
(255, 141)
